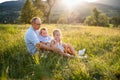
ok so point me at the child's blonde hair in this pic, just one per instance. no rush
(56, 30)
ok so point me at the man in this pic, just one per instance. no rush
(32, 41)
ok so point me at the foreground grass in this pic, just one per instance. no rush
(102, 62)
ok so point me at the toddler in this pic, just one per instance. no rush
(66, 48)
(44, 37)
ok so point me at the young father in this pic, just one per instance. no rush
(32, 41)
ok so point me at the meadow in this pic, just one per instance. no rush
(102, 50)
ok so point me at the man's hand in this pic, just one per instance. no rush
(53, 48)
(38, 46)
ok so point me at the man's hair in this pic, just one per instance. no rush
(56, 30)
(42, 29)
(34, 19)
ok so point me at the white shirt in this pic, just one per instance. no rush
(44, 39)
(31, 40)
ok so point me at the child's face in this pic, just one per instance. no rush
(44, 33)
(57, 36)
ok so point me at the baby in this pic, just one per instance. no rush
(66, 48)
(44, 37)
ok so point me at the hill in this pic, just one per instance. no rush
(115, 3)
(9, 11)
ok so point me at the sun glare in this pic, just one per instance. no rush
(72, 3)
(91, 0)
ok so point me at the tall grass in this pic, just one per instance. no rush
(102, 62)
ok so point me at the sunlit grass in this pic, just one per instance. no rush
(102, 62)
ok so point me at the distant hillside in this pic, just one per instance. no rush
(108, 9)
(115, 3)
(9, 11)
(11, 6)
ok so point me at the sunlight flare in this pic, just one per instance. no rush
(91, 0)
(72, 3)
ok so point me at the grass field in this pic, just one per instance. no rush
(102, 62)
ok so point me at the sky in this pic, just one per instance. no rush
(5, 0)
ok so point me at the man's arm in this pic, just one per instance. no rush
(54, 49)
(43, 46)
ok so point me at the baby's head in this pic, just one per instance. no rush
(43, 32)
(57, 34)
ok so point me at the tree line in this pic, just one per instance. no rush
(33, 8)
(43, 10)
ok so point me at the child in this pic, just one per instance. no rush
(44, 37)
(66, 48)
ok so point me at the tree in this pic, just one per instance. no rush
(50, 4)
(103, 20)
(115, 21)
(97, 19)
(29, 11)
(45, 8)
(39, 4)
(95, 15)
(89, 21)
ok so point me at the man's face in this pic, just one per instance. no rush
(36, 24)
